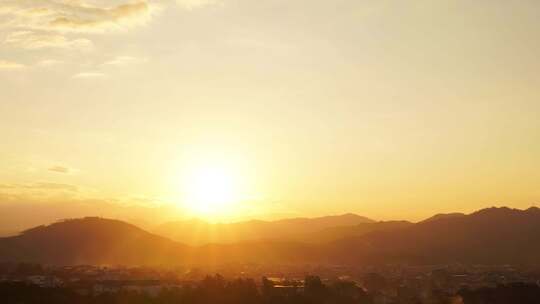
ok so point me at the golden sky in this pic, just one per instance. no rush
(389, 109)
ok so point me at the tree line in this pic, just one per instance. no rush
(218, 290)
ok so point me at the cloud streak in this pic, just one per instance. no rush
(193, 4)
(73, 16)
(84, 18)
(60, 169)
(42, 190)
(52, 186)
(65, 24)
(124, 61)
(45, 63)
(89, 75)
(34, 40)
(10, 65)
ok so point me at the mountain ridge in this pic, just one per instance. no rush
(488, 236)
(290, 229)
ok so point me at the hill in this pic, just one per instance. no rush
(89, 241)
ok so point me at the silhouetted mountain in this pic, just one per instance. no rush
(110, 242)
(197, 232)
(442, 216)
(489, 236)
(343, 232)
(5, 233)
(89, 241)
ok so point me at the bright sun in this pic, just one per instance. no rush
(211, 191)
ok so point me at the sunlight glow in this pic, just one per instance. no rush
(211, 191)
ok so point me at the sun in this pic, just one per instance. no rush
(211, 191)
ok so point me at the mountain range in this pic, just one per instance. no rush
(198, 232)
(488, 236)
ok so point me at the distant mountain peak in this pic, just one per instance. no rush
(443, 216)
(86, 222)
(486, 212)
(346, 217)
(501, 211)
(89, 240)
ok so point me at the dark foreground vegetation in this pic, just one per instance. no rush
(217, 290)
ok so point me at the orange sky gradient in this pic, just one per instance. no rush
(233, 109)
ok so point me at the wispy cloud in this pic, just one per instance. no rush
(62, 24)
(51, 186)
(68, 25)
(10, 65)
(60, 169)
(193, 4)
(124, 61)
(90, 75)
(39, 40)
(74, 16)
(86, 18)
(45, 63)
(41, 186)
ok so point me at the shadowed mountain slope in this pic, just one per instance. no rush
(489, 236)
(344, 232)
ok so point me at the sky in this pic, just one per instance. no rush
(231, 109)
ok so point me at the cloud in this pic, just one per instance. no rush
(10, 65)
(33, 40)
(52, 186)
(193, 4)
(77, 16)
(89, 75)
(124, 61)
(39, 189)
(69, 25)
(60, 169)
(84, 18)
(64, 24)
(45, 63)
